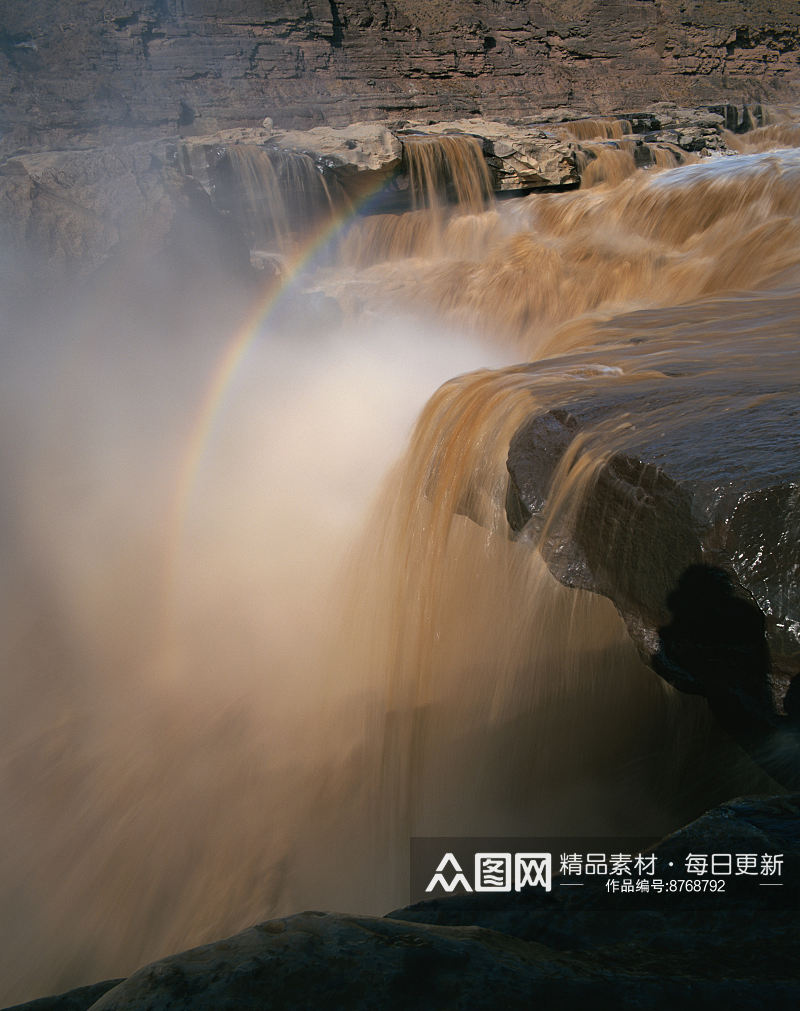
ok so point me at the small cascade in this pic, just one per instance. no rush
(275, 196)
(596, 129)
(447, 169)
(611, 162)
(385, 237)
(449, 182)
(665, 157)
(766, 138)
(605, 163)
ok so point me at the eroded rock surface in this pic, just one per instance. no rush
(71, 208)
(72, 70)
(688, 515)
(65, 213)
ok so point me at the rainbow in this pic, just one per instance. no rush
(221, 380)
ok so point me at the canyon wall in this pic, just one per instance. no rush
(164, 66)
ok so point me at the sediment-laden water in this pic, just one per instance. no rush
(262, 617)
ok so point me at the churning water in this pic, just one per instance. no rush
(262, 618)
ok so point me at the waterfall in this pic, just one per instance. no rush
(449, 183)
(360, 647)
(275, 196)
(447, 168)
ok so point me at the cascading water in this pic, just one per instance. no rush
(275, 196)
(594, 129)
(447, 168)
(449, 183)
(350, 659)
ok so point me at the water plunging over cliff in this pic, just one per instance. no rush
(238, 691)
(275, 196)
(447, 168)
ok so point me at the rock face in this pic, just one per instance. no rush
(564, 948)
(522, 158)
(66, 214)
(690, 518)
(163, 65)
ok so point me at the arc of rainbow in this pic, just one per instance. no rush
(213, 399)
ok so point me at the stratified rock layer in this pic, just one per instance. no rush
(67, 69)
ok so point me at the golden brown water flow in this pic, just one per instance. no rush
(596, 129)
(532, 271)
(472, 635)
(338, 683)
(278, 194)
(448, 179)
(447, 165)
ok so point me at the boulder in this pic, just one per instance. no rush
(688, 518)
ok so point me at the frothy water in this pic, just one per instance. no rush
(337, 646)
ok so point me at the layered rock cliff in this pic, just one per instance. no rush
(159, 66)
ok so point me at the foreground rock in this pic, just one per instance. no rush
(689, 520)
(565, 948)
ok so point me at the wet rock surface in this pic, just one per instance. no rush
(74, 1000)
(565, 947)
(690, 515)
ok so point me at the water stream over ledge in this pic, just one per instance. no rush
(264, 619)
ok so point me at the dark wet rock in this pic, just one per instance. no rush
(567, 948)
(690, 523)
(74, 1000)
(735, 938)
(570, 918)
